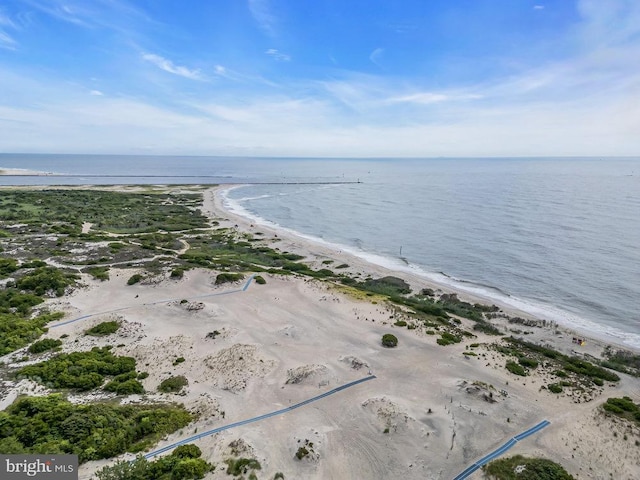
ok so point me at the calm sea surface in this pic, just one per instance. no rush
(557, 237)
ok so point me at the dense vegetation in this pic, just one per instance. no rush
(523, 468)
(530, 353)
(17, 331)
(80, 371)
(623, 407)
(45, 280)
(51, 424)
(182, 464)
(113, 212)
(622, 361)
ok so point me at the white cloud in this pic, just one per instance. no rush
(262, 14)
(538, 7)
(168, 66)
(277, 55)
(96, 93)
(426, 98)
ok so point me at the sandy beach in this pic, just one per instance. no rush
(430, 412)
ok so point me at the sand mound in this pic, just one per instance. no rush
(388, 413)
(354, 362)
(233, 366)
(480, 390)
(307, 374)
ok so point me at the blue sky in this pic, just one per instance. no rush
(321, 77)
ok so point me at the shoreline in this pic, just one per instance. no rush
(364, 263)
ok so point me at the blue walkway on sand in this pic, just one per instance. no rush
(261, 417)
(73, 320)
(496, 453)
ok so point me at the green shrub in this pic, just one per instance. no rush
(534, 469)
(7, 266)
(143, 375)
(99, 273)
(389, 340)
(528, 362)
(554, 387)
(386, 286)
(302, 452)
(187, 451)
(178, 361)
(133, 279)
(241, 466)
(259, 280)
(173, 384)
(400, 323)
(516, 369)
(126, 387)
(228, 277)
(44, 345)
(447, 338)
(103, 329)
(177, 273)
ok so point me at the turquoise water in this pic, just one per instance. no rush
(556, 237)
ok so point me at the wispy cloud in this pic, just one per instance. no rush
(70, 11)
(278, 55)
(168, 66)
(263, 15)
(538, 7)
(96, 93)
(426, 98)
(6, 40)
(376, 56)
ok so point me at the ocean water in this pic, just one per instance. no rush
(557, 237)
